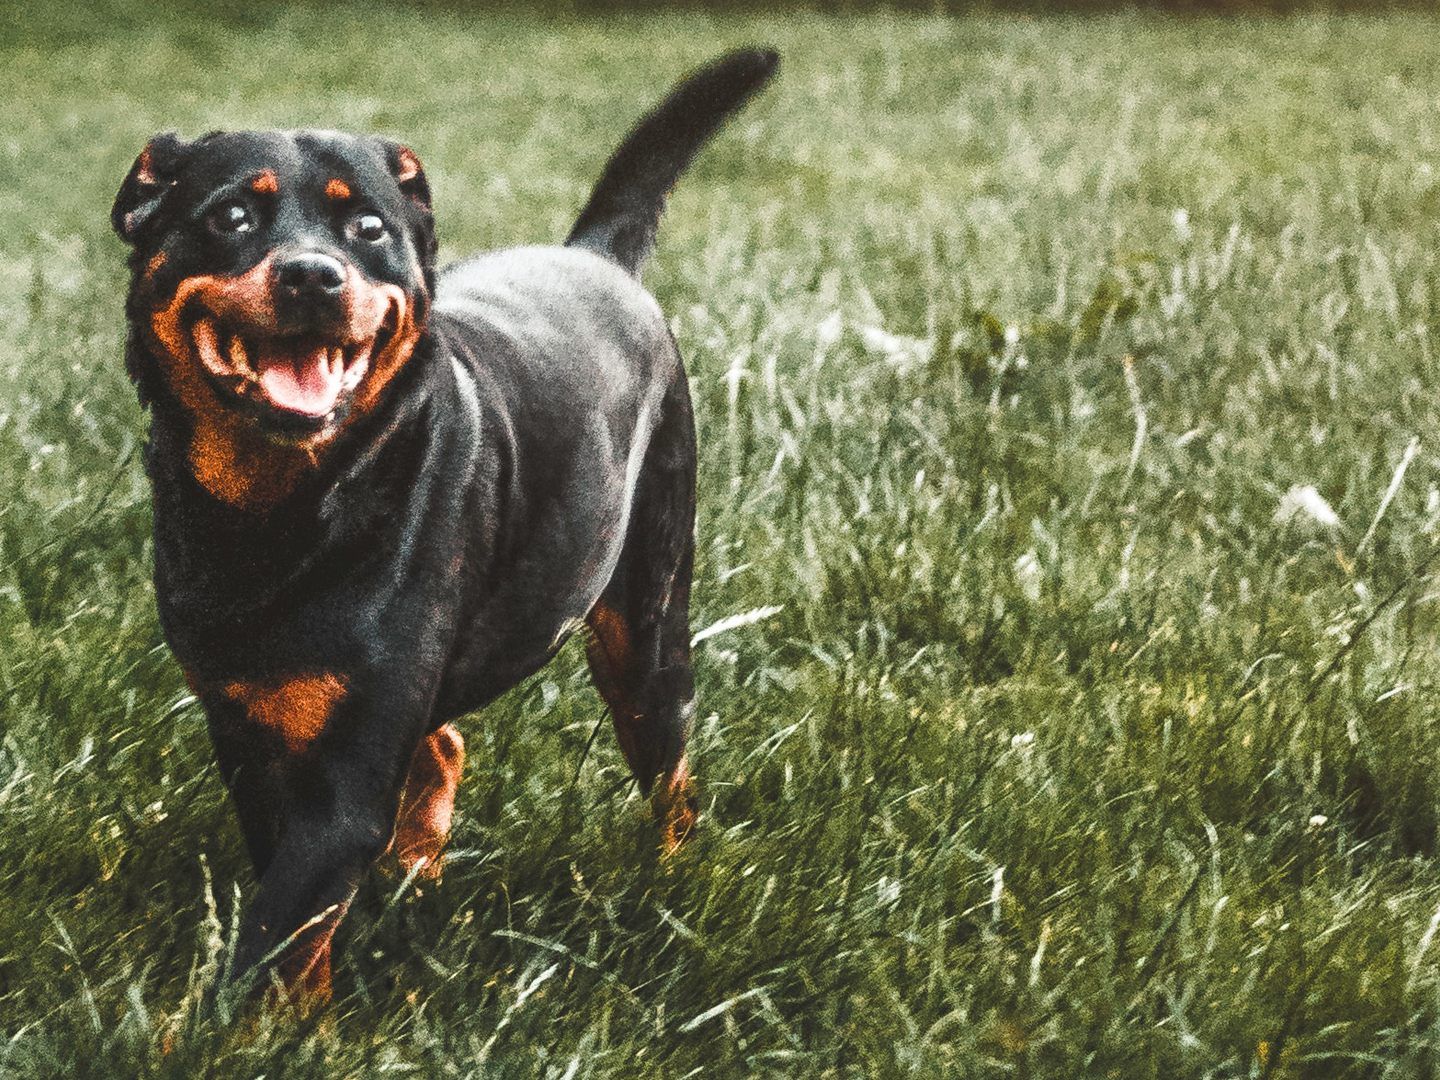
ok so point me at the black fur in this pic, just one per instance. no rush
(530, 466)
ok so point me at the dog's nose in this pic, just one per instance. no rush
(310, 274)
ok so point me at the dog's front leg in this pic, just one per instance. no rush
(301, 900)
(327, 842)
(336, 805)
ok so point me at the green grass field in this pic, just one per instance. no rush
(1069, 751)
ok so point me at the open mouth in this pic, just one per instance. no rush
(298, 383)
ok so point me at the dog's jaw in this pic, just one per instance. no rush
(263, 409)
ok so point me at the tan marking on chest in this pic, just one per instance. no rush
(296, 709)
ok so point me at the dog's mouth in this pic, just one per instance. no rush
(295, 375)
(297, 383)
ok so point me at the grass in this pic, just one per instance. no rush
(1067, 752)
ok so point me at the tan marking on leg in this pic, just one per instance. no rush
(296, 709)
(612, 634)
(428, 804)
(156, 262)
(305, 968)
(611, 659)
(674, 807)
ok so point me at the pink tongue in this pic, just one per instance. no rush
(304, 382)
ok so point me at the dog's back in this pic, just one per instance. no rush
(578, 363)
(570, 361)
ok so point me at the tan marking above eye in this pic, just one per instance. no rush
(267, 183)
(337, 189)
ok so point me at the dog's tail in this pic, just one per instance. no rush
(623, 214)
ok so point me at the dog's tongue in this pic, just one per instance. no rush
(304, 379)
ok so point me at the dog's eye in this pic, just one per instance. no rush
(231, 217)
(368, 227)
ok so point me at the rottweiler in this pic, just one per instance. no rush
(385, 493)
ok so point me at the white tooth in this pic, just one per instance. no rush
(205, 343)
(238, 354)
(337, 360)
(355, 372)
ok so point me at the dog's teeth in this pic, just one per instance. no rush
(238, 356)
(206, 343)
(337, 360)
(356, 371)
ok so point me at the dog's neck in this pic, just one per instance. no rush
(219, 566)
(241, 468)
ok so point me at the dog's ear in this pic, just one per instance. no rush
(148, 182)
(405, 166)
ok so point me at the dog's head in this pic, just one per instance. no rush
(281, 280)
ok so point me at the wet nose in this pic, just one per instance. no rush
(310, 274)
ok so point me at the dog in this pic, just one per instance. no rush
(385, 493)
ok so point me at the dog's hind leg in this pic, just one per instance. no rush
(428, 803)
(639, 648)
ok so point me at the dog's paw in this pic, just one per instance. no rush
(677, 809)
